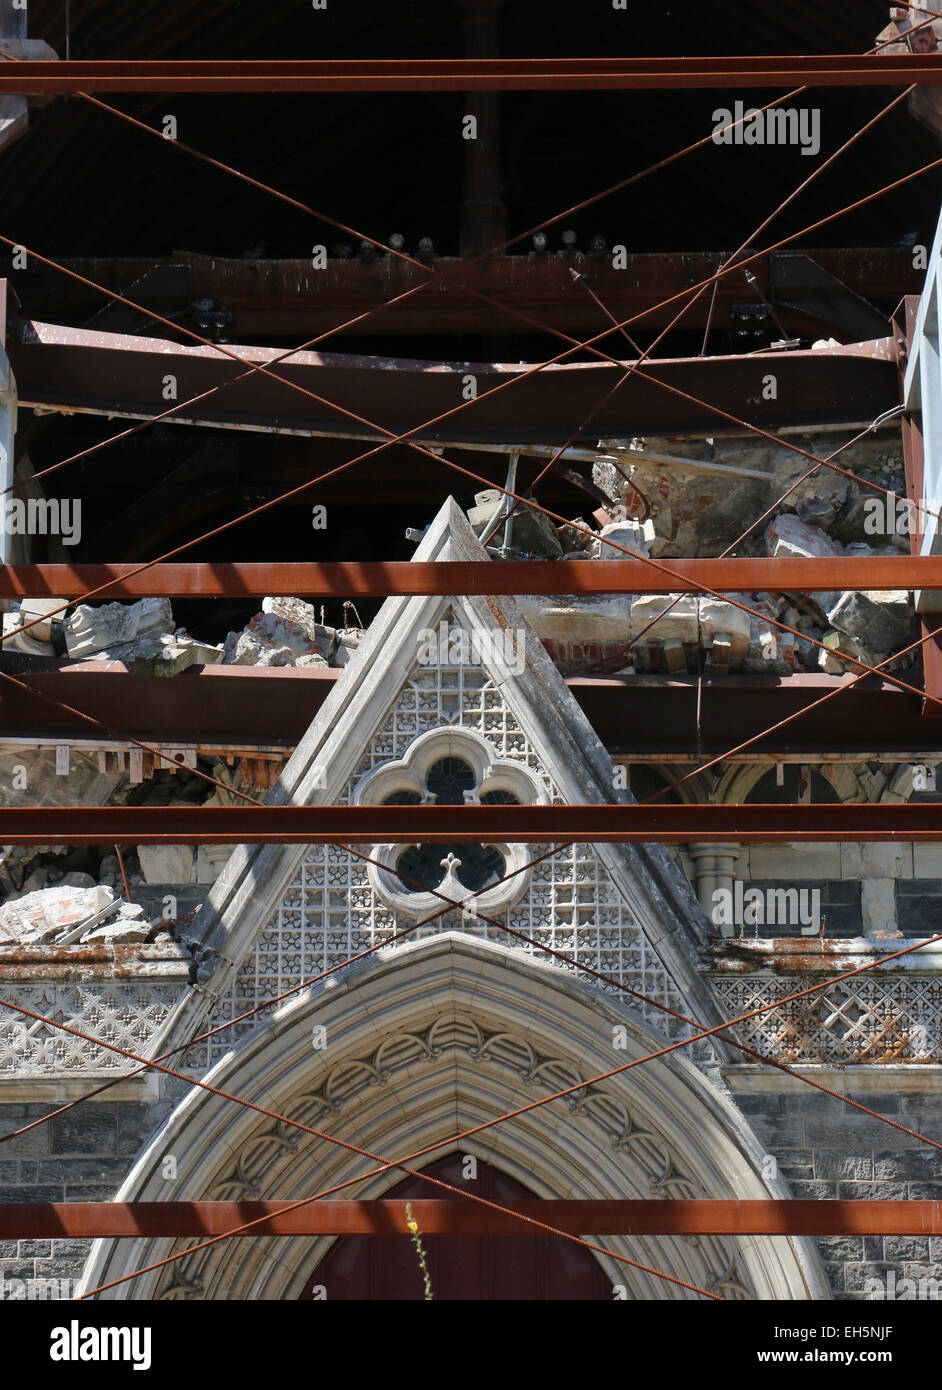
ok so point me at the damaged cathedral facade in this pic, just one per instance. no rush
(695, 496)
(530, 987)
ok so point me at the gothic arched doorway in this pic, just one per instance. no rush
(470, 1268)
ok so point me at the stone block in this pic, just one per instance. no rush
(814, 860)
(89, 1129)
(846, 1249)
(167, 863)
(91, 629)
(906, 1248)
(820, 505)
(858, 1276)
(210, 862)
(89, 1192)
(878, 906)
(26, 642)
(921, 1164)
(851, 860)
(891, 860)
(122, 929)
(927, 861)
(34, 1249)
(814, 1189)
(847, 1167)
(786, 535)
(845, 1130)
(724, 621)
(919, 916)
(71, 1248)
(102, 1169)
(570, 618)
(920, 888)
(629, 534)
(531, 531)
(872, 1192)
(842, 652)
(36, 1194)
(679, 624)
(882, 626)
(42, 608)
(172, 658)
(721, 654)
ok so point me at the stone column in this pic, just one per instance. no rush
(713, 871)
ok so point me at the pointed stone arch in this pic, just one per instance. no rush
(427, 1041)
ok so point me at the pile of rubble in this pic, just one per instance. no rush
(866, 625)
(287, 633)
(620, 633)
(143, 636)
(69, 914)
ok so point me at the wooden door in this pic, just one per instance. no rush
(461, 1267)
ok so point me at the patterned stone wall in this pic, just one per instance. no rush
(330, 911)
(869, 1018)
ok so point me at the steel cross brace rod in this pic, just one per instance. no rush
(368, 579)
(448, 1217)
(469, 74)
(445, 825)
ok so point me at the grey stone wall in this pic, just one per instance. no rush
(824, 1148)
(82, 1155)
(839, 904)
(919, 906)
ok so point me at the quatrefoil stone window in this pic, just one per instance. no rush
(449, 767)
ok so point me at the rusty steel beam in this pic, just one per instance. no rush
(643, 717)
(244, 824)
(448, 1217)
(372, 579)
(470, 74)
(122, 375)
(264, 299)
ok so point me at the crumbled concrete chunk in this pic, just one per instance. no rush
(49, 912)
(883, 621)
(124, 929)
(171, 656)
(285, 632)
(531, 531)
(89, 630)
(835, 664)
(631, 535)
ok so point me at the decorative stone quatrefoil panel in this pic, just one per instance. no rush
(450, 766)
